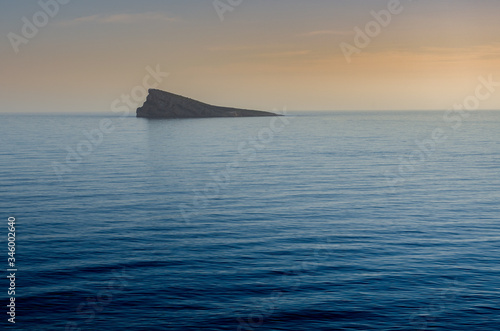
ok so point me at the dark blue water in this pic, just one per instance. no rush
(339, 221)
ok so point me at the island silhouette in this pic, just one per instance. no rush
(161, 104)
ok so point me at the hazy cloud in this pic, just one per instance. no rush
(284, 54)
(120, 18)
(326, 33)
(232, 48)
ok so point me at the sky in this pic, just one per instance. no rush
(256, 54)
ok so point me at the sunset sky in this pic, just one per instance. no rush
(264, 54)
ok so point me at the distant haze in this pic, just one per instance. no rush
(263, 55)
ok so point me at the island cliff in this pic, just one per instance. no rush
(161, 104)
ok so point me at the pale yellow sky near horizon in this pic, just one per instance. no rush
(263, 55)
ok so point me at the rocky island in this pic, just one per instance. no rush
(161, 104)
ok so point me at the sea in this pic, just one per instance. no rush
(381, 220)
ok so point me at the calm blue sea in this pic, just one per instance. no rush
(313, 221)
